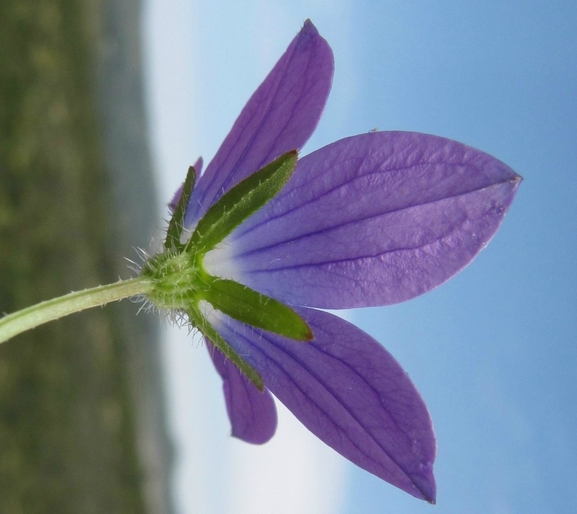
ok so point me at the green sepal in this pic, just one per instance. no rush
(208, 331)
(176, 224)
(253, 308)
(242, 201)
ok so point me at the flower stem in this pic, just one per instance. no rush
(31, 317)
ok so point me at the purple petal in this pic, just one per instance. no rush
(350, 392)
(280, 116)
(252, 412)
(370, 220)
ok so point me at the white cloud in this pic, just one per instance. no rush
(294, 473)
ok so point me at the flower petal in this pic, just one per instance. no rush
(280, 117)
(252, 413)
(370, 220)
(350, 392)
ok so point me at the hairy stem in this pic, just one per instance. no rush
(31, 317)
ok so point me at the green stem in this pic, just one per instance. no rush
(31, 317)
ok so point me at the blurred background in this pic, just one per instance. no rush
(104, 105)
(81, 403)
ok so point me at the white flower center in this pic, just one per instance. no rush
(219, 262)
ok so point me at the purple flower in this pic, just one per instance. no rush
(370, 220)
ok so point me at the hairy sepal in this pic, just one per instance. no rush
(255, 309)
(176, 223)
(208, 331)
(241, 202)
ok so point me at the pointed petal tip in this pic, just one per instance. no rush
(309, 26)
(422, 484)
(508, 175)
(428, 488)
(515, 182)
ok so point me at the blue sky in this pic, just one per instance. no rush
(493, 351)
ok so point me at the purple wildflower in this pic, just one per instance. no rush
(370, 220)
